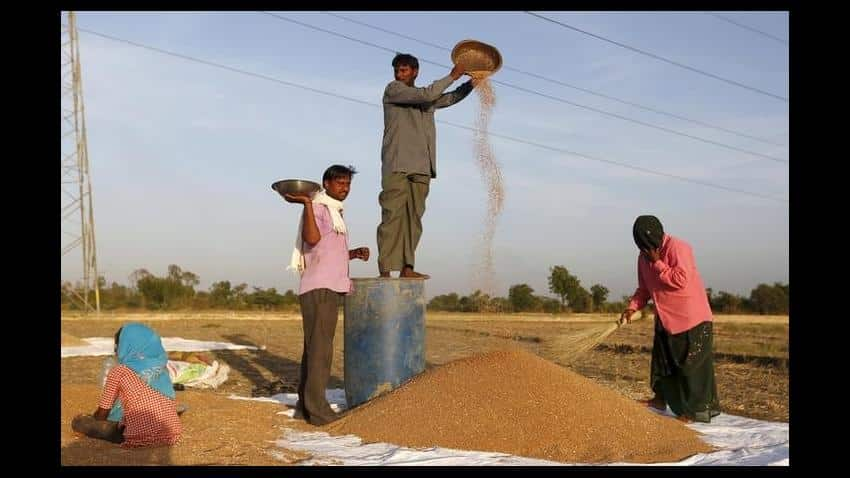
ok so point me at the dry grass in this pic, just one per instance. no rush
(145, 316)
(432, 315)
(592, 317)
(216, 431)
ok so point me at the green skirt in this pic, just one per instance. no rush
(682, 371)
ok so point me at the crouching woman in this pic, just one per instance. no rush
(137, 406)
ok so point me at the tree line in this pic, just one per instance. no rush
(176, 291)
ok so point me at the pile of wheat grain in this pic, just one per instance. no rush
(514, 402)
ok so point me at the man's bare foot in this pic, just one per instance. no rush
(409, 273)
(656, 403)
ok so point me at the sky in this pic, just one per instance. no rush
(182, 154)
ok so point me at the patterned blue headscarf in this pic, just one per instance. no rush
(140, 349)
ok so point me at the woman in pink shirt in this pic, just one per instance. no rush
(682, 368)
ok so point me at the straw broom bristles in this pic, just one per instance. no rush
(569, 346)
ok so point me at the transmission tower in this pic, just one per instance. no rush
(76, 183)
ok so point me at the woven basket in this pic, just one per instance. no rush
(477, 58)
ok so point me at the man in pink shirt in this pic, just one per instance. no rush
(682, 367)
(321, 256)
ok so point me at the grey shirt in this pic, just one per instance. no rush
(410, 138)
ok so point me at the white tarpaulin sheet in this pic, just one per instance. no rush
(105, 346)
(740, 441)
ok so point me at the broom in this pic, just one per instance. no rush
(567, 347)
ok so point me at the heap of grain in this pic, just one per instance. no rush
(512, 401)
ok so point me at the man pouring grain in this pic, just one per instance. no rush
(408, 160)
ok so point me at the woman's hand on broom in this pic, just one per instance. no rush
(626, 316)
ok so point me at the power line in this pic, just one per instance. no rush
(219, 65)
(657, 57)
(441, 47)
(544, 95)
(558, 82)
(623, 165)
(745, 27)
(355, 100)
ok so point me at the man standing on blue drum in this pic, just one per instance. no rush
(408, 160)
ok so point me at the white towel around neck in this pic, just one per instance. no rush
(297, 262)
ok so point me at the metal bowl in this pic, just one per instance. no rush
(476, 56)
(295, 186)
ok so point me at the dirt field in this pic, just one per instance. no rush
(751, 367)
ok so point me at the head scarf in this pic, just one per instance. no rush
(648, 232)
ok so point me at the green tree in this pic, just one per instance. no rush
(614, 307)
(500, 304)
(521, 297)
(727, 303)
(479, 302)
(549, 305)
(290, 299)
(568, 288)
(221, 294)
(189, 279)
(69, 292)
(116, 296)
(201, 301)
(446, 302)
(767, 299)
(265, 299)
(464, 304)
(174, 290)
(600, 294)
(240, 297)
(582, 301)
(562, 283)
(138, 275)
